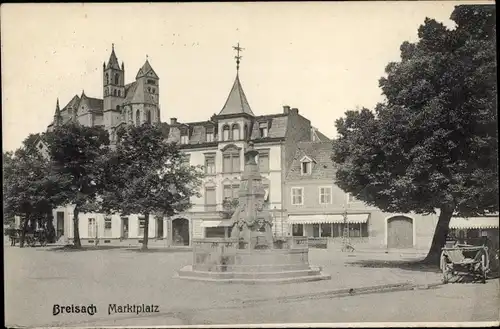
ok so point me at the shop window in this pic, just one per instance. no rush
(297, 230)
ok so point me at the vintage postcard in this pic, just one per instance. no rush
(250, 164)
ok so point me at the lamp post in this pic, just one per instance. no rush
(345, 233)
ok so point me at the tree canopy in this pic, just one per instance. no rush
(29, 190)
(433, 144)
(146, 175)
(78, 154)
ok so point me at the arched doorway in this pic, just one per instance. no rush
(400, 232)
(180, 232)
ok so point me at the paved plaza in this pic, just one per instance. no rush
(38, 278)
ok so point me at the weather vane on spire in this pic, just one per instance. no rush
(238, 57)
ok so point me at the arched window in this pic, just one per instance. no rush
(107, 78)
(225, 133)
(131, 116)
(120, 93)
(105, 92)
(245, 132)
(114, 92)
(137, 118)
(148, 116)
(116, 78)
(118, 108)
(236, 132)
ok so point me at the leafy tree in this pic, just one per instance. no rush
(432, 145)
(146, 175)
(78, 154)
(28, 188)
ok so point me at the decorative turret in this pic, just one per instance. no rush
(57, 115)
(236, 101)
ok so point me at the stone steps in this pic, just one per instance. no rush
(310, 274)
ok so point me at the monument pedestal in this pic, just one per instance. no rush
(220, 260)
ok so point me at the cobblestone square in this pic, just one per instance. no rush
(38, 278)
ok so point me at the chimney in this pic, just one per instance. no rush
(173, 121)
(294, 111)
(286, 109)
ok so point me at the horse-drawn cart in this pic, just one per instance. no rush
(38, 236)
(464, 261)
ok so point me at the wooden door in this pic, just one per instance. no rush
(400, 232)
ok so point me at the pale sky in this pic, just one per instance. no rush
(323, 58)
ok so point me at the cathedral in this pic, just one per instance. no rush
(132, 103)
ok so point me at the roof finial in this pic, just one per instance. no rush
(146, 56)
(238, 57)
(113, 47)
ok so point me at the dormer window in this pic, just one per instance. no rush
(306, 164)
(306, 168)
(210, 134)
(236, 132)
(225, 133)
(263, 129)
(184, 136)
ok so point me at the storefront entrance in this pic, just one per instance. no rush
(60, 224)
(180, 232)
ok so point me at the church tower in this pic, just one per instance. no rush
(148, 98)
(113, 90)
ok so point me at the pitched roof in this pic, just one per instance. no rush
(73, 103)
(146, 69)
(236, 101)
(323, 167)
(113, 61)
(320, 136)
(93, 104)
(276, 126)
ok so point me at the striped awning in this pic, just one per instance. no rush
(473, 223)
(216, 223)
(327, 218)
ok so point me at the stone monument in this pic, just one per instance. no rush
(251, 221)
(250, 254)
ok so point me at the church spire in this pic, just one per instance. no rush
(57, 114)
(113, 61)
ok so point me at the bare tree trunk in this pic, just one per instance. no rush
(146, 233)
(24, 227)
(440, 235)
(76, 232)
(50, 227)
